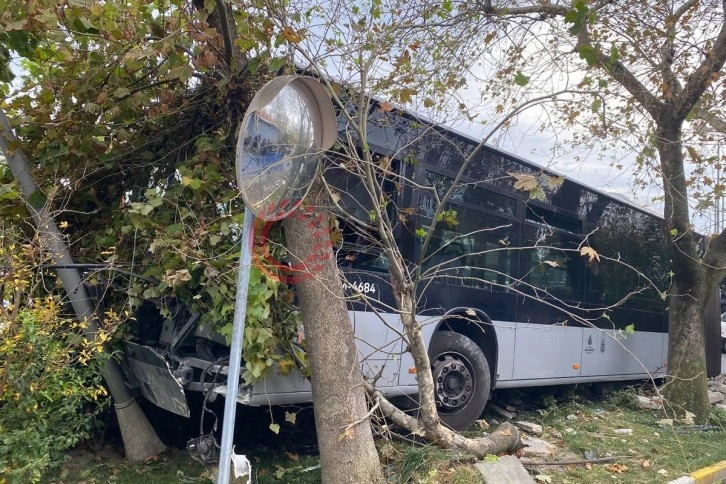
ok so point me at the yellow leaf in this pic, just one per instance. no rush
(406, 95)
(590, 253)
(554, 182)
(618, 468)
(291, 36)
(524, 181)
(290, 417)
(693, 153)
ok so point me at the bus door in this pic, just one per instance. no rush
(549, 333)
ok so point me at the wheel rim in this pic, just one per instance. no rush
(454, 382)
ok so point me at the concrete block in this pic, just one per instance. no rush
(505, 470)
(529, 427)
(537, 447)
(715, 397)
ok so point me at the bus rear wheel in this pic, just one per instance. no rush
(461, 379)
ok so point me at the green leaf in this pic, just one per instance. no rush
(614, 54)
(141, 208)
(175, 230)
(421, 233)
(183, 73)
(121, 92)
(7, 192)
(275, 427)
(277, 63)
(82, 24)
(589, 54)
(537, 194)
(192, 183)
(253, 65)
(520, 79)
(630, 329)
(37, 199)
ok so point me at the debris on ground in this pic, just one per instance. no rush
(503, 470)
(529, 427)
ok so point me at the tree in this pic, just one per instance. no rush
(140, 440)
(347, 452)
(659, 68)
(390, 49)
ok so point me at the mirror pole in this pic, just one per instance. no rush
(235, 355)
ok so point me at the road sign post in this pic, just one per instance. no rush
(289, 122)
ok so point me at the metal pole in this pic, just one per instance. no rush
(58, 251)
(235, 354)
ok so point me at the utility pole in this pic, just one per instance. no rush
(140, 439)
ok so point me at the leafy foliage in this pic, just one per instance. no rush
(50, 381)
(129, 113)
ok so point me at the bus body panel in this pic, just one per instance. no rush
(547, 351)
(507, 269)
(609, 352)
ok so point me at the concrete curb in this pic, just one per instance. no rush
(707, 475)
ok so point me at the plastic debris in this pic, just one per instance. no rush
(241, 466)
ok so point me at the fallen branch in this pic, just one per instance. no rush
(600, 460)
(505, 439)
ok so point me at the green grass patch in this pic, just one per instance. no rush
(575, 423)
(647, 451)
(177, 466)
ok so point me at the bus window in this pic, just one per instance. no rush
(551, 262)
(471, 194)
(361, 249)
(471, 250)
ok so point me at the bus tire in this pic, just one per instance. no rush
(461, 379)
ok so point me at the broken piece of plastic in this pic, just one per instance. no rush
(241, 466)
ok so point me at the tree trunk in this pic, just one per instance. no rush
(686, 389)
(505, 439)
(347, 450)
(139, 437)
(428, 415)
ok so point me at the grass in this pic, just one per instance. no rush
(575, 423)
(175, 466)
(172, 467)
(650, 453)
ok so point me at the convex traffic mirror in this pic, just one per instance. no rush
(287, 125)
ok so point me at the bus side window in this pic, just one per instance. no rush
(472, 249)
(551, 262)
(361, 250)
